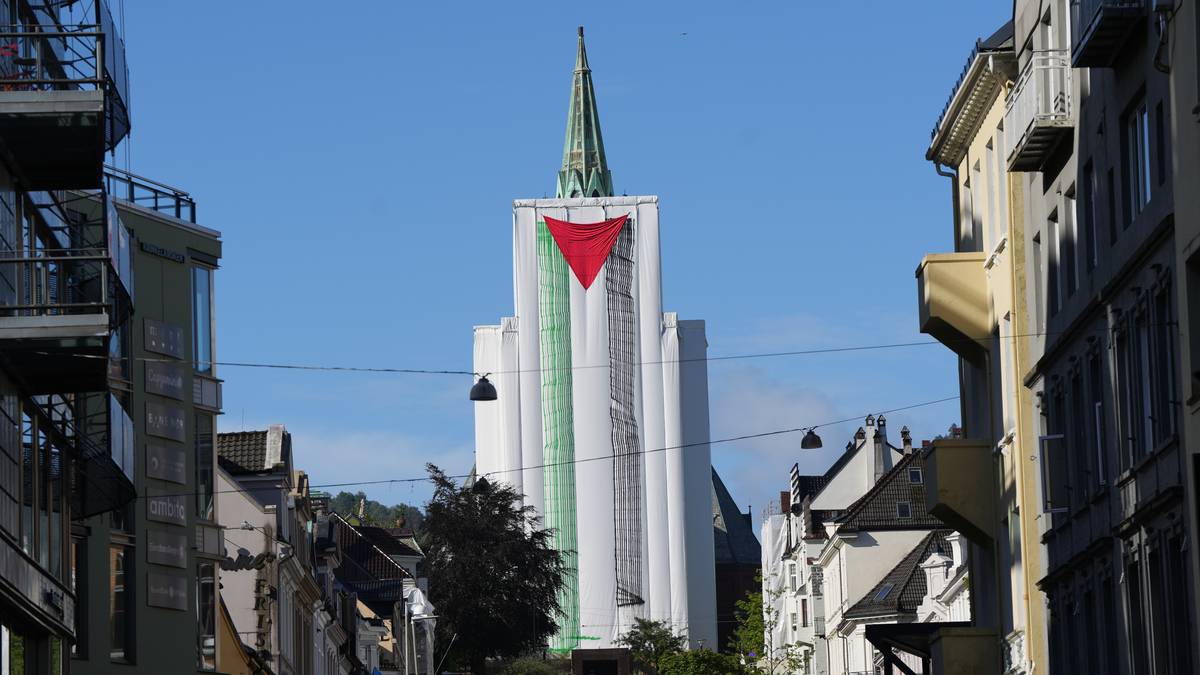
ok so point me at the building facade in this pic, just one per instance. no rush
(615, 459)
(161, 554)
(66, 295)
(1097, 454)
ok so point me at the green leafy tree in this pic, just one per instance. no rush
(749, 641)
(701, 662)
(494, 574)
(376, 513)
(649, 642)
(529, 665)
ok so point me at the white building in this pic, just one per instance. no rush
(602, 417)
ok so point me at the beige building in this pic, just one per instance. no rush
(1068, 332)
(973, 301)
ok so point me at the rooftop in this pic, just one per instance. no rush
(246, 452)
(901, 590)
(881, 508)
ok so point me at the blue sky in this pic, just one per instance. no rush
(360, 161)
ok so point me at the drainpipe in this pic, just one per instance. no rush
(953, 176)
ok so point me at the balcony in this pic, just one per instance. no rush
(64, 97)
(1038, 112)
(149, 194)
(105, 437)
(61, 305)
(1100, 28)
(959, 487)
(953, 302)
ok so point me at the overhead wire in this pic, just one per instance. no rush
(682, 446)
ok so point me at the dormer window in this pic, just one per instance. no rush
(903, 510)
(914, 475)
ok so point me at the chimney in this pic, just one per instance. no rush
(926, 443)
(882, 456)
(906, 439)
(785, 501)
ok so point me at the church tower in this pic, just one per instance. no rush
(602, 416)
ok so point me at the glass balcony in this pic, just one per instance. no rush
(1038, 112)
(105, 438)
(149, 194)
(1100, 27)
(64, 93)
(62, 302)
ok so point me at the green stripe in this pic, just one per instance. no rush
(558, 426)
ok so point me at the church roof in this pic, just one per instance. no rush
(584, 170)
(733, 536)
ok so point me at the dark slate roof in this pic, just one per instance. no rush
(876, 510)
(1002, 39)
(243, 451)
(906, 580)
(809, 486)
(391, 541)
(733, 536)
(366, 570)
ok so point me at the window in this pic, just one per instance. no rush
(1055, 493)
(804, 612)
(206, 617)
(1039, 290)
(1077, 425)
(883, 591)
(1181, 606)
(1136, 156)
(1099, 446)
(121, 605)
(78, 583)
(1052, 259)
(1162, 379)
(1136, 619)
(204, 466)
(1068, 248)
(1112, 208)
(914, 475)
(202, 320)
(793, 622)
(903, 510)
(43, 474)
(1111, 621)
(792, 576)
(1090, 237)
(1161, 148)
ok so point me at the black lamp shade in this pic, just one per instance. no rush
(483, 390)
(811, 441)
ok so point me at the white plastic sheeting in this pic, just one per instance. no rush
(774, 543)
(669, 570)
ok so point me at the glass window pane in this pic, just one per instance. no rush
(202, 319)
(204, 466)
(206, 624)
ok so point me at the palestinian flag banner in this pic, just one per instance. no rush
(589, 378)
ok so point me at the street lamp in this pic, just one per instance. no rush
(483, 390)
(811, 441)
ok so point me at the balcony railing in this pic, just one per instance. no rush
(149, 194)
(62, 305)
(1038, 112)
(1100, 27)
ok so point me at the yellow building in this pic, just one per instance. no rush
(973, 300)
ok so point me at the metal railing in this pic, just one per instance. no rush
(69, 58)
(1042, 96)
(1084, 13)
(61, 282)
(149, 194)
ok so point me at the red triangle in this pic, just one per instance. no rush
(585, 245)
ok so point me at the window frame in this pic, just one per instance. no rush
(203, 363)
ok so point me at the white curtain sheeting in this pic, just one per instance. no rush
(774, 542)
(669, 567)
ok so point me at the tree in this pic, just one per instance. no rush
(751, 638)
(649, 642)
(376, 513)
(701, 662)
(494, 575)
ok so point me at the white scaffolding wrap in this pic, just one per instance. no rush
(592, 430)
(774, 539)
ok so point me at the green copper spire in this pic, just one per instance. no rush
(584, 170)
